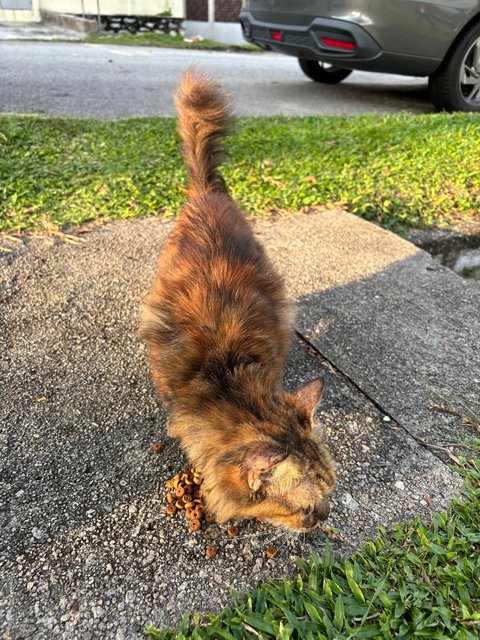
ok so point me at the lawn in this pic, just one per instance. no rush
(165, 40)
(421, 580)
(398, 170)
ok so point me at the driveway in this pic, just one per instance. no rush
(107, 81)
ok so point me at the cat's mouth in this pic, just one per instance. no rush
(305, 522)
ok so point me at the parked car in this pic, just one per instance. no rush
(435, 38)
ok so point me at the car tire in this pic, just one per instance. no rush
(456, 84)
(323, 72)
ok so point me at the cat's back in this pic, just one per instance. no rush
(212, 256)
(211, 227)
(216, 297)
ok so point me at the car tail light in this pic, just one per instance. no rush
(276, 35)
(339, 44)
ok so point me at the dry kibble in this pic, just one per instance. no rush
(170, 509)
(211, 552)
(184, 492)
(194, 524)
(232, 531)
(270, 552)
(158, 447)
(209, 517)
(179, 491)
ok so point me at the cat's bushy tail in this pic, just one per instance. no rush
(203, 117)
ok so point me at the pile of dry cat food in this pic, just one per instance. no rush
(185, 495)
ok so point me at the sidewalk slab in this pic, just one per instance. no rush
(38, 31)
(86, 549)
(397, 323)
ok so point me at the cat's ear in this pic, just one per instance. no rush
(309, 395)
(259, 462)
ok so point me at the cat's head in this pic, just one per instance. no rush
(281, 473)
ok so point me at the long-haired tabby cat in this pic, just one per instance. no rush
(218, 328)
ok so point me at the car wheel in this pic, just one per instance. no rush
(323, 72)
(456, 85)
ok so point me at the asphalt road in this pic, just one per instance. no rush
(107, 81)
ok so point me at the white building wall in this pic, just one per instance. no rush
(116, 7)
(227, 32)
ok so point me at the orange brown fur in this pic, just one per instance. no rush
(218, 327)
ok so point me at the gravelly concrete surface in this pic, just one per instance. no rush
(86, 549)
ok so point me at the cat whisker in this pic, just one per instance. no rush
(287, 537)
(282, 534)
(295, 536)
(256, 533)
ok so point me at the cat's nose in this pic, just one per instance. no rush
(319, 512)
(322, 510)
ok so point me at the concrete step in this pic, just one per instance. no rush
(69, 21)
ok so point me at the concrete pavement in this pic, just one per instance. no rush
(41, 31)
(87, 550)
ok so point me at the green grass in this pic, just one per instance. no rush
(164, 40)
(422, 580)
(397, 170)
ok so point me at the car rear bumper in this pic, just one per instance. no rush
(341, 43)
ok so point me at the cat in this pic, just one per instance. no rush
(218, 328)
